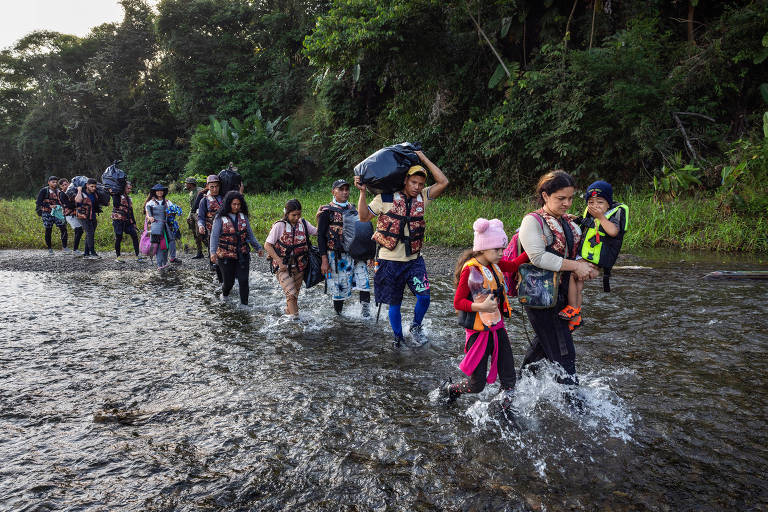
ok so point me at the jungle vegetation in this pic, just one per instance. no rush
(664, 96)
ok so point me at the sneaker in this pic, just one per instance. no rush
(397, 343)
(365, 309)
(503, 405)
(120, 260)
(198, 256)
(50, 251)
(446, 394)
(90, 257)
(176, 261)
(569, 312)
(575, 323)
(417, 335)
(76, 253)
(66, 249)
(96, 256)
(141, 259)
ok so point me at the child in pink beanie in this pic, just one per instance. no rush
(481, 301)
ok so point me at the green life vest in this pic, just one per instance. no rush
(597, 247)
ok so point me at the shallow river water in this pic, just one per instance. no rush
(122, 390)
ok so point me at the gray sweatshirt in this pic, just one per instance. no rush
(156, 209)
(535, 241)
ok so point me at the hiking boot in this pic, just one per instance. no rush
(398, 342)
(575, 323)
(198, 256)
(90, 257)
(176, 261)
(141, 259)
(417, 335)
(568, 312)
(120, 260)
(95, 256)
(446, 394)
(365, 309)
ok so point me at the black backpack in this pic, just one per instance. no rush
(230, 180)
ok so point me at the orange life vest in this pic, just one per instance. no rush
(85, 208)
(122, 211)
(213, 207)
(390, 226)
(51, 200)
(233, 238)
(493, 280)
(292, 246)
(335, 235)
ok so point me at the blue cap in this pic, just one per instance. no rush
(159, 187)
(600, 189)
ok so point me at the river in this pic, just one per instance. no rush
(125, 390)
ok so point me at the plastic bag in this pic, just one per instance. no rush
(479, 294)
(384, 171)
(102, 195)
(537, 288)
(77, 181)
(114, 178)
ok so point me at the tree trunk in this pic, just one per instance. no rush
(568, 25)
(592, 31)
(691, 8)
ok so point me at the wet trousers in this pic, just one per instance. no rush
(506, 365)
(89, 227)
(553, 341)
(231, 269)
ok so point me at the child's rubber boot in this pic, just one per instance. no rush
(574, 323)
(568, 312)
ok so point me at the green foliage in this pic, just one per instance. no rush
(744, 186)
(676, 181)
(265, 155)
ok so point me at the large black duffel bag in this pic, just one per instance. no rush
(384, 171)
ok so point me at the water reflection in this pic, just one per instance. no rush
(117, 396)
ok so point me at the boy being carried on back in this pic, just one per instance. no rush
(603, 230)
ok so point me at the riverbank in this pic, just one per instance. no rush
(688, 224)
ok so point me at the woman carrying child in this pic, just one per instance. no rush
(288, 248)
(231, 235)
(156, 207)
(550, 237)
(481, 300)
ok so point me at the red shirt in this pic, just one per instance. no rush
(462, 301)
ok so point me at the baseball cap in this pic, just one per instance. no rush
(340, 183)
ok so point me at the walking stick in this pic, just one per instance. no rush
(378, 313)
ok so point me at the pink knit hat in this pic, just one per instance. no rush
(489, 234)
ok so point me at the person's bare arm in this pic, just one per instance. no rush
(362, 206)
(441, 181)
(273, 254)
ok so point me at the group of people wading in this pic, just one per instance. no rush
(549, 239)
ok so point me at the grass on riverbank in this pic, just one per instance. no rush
(686, 224)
